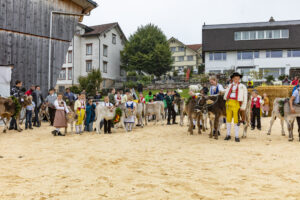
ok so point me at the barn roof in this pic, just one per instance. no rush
(87, 5)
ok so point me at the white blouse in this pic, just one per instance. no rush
(59, 107)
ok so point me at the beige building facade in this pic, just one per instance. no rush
(185, 56)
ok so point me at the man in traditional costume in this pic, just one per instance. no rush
(236, 96)
(79, 108)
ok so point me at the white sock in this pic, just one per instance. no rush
(194, 122)
(228, 128)
(80, 128)
(77, 129)
(267, 113)
(236, 129)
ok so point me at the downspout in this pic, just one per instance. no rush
(73, 62)
(99, 58)
(50, 39)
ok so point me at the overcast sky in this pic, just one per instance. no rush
(183, 19)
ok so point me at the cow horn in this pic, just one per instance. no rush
(209, 101)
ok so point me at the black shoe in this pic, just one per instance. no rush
(252, 128)
(194, 127)
(60, 134)
(228, 137)
(10, 128)
(138, 125)
(109, 132)
(237, 139)
(259, 129)
(54, 133)
(168, 123)
(219, 133)
(30, 128)
(25, 128)
(175, 123)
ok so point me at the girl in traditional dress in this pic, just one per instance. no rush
(215, 87)
(129, 119)
(118, 98)
(60, 120)
(266, 105)
(79, 108)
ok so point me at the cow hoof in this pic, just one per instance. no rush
(210, 136)
(20, 130)
(216, 138)
(283, 134)
(291, 139)
(4, 131)
(244, 136)
(268, 133)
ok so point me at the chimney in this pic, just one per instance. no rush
(272, 19)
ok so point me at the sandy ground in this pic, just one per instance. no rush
(155, 162)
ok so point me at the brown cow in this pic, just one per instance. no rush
(8, 110)
(194, 114)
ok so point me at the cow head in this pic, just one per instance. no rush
(25, 101)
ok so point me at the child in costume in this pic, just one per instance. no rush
(256, 103)
(79, 108)
(236, 95)
(129, 118)
(266, 105)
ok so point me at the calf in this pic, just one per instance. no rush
(71, 118)
(194, 114)
(195, 88)
(276, 114)
(140, 113)
(8, 110)
(156, 108)
(290, 118)
(44, 112)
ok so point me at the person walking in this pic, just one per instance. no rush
(50, 99)
(236, 99)
(60, 120)
(79, 108)
(38, 100)
(29, 110)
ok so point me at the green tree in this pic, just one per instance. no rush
(91, 82)
(147, 50)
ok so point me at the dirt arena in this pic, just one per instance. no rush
(156, 162)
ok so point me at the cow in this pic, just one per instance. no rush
(276, 114)
(215, 106)
(156, 108)
(103, 112)
(179, 102)
(195, 88)
(140, 113)
(44, 112)
(8, 110)
(71, 118)
(194, 114)
(276, 82)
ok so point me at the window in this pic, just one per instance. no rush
(262, 34)
(105, 50)
(70, 73)
(114, 38)
(237, 35)
(104, 66)
(180, 49)
(275, 72)
(173, 49)
(217, 56)
(294, 53)
(190, 58)
(244, 55)
(245, 71)
(274, 54)
(69, 56)
(62, 74)
(89, 49)
(89, 65)
(285, 33)
(215, 71)
(180, 58)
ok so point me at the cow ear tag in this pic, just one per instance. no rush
(209, 102)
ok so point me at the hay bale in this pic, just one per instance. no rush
(273, 92)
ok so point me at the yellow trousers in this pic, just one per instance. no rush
(232, 111)
(80, 119)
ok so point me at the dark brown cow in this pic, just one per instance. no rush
(215, 106)
(194, 114)
(8, 109)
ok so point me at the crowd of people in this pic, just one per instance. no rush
(235, 94)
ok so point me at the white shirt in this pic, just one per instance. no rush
(59, 107)
(213, 89)
(106, 104)
(233, 91)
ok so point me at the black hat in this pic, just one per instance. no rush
(236, 74)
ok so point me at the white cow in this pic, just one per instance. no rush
(156, 108)
(276, 82)
(276, 114)
(195, 88)
(140, 113)
(103, 112)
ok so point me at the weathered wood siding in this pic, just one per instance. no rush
(24, 38)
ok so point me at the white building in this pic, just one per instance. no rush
(95, 47)
(270, 47)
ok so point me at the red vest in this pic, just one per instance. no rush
(257, 105)
(230, 91)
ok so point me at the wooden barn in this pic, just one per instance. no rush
(32, 31)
